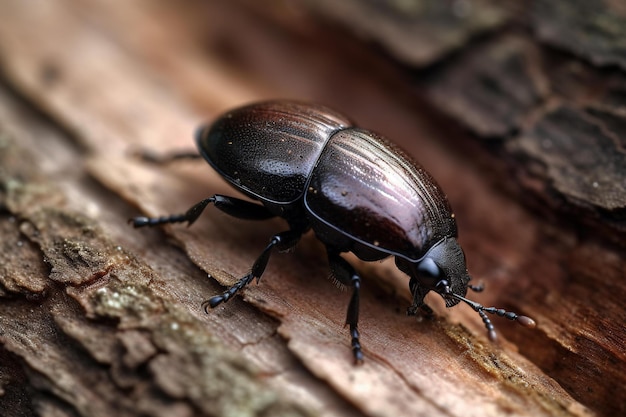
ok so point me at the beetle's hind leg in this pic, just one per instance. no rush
(345, 273)
(233, 206)
(282, 241)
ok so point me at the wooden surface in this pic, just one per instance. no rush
(517, 111)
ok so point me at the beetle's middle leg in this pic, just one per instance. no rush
(282, 241)
(230, 205)
(345, 273)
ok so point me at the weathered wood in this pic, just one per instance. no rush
(110, 323)
(593, 30)
(418, 32)
(103, 334)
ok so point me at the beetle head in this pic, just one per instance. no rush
(443, 270)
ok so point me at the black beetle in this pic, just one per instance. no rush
(357, 191)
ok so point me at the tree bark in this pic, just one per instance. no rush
(516, 109)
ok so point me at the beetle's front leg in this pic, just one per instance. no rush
(427, 311)
(345, 273)
(418, 300)
(233, 206)
(281, 241)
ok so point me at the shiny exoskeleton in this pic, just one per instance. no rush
(357, 191)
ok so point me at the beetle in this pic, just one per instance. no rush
(357, 191)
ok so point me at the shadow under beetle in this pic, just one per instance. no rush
(358, 192)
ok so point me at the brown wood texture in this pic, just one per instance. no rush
(517, 110)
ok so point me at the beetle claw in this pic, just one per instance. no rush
(358, 356)
(140, 221)
(213, 302)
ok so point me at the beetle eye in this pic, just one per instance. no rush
(429, 268)
(443, 287)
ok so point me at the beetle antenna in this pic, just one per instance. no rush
(482, 310)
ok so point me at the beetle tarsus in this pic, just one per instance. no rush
(212, 303)
(281, 241)
(189, 216)
(143, 221)
(228, 294)
(356, 345)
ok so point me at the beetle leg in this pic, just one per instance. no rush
(418, 300)
(282, 241)
(345, 273)
(426, 310)
(233, 206)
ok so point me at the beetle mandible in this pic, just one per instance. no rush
(357, 191)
